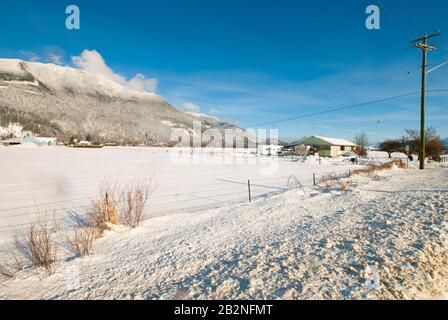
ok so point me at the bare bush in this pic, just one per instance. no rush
(344, 186)
(337, 184)
(115, 206)
(334, 181)
(133, 202)
(333, 177)
(328, 185)
(105, 211)
(38, 246)
(81, 242)
(328, 177)
(375, 168)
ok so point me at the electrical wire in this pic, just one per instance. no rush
(358, 105)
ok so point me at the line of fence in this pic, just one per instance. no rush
(168, 203)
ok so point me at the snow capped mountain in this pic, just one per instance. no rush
(71, 102)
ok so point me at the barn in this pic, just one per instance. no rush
(328, 147)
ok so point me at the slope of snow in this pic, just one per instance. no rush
(59, 78)
(11, 66)
(60, 180)
(384, 239)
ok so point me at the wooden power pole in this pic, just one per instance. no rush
(422, 44)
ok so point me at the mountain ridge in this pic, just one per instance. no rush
(70, 102)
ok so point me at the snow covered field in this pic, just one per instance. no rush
(64, 180)
(384, 238)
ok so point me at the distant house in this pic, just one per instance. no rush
(84, 143)
(40, 141)
(328, 147)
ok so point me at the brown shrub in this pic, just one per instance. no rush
(344, 186)
(386, 166)
(105, 211)
(82, 241)
(117, 206)
(133, 202)
(38, 246)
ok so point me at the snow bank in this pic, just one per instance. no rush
(384, 239)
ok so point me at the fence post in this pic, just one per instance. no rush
(314, 178)
(349, 173)
(248, 187)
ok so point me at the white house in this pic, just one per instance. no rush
(328, 147)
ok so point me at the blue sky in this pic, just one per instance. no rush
(251, 61)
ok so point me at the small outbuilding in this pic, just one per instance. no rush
(40, 141)
(328, 147)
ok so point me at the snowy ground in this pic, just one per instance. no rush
(62, 180)
(385, 238)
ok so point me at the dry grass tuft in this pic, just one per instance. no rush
(371, 171)
(38, 246)
(105, 211)
(133, 202)
(335, 181)
(344, 186)
(337, 184)
(81, 242)
(115, 206)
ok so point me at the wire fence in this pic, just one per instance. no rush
(231, 191)
(227, 191)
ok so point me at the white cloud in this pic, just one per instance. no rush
(55, 58)
(92, 61)
(191, 107)
(29, 55)
(141, 83)
(195, 110)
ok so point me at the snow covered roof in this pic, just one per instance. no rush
(335, 141)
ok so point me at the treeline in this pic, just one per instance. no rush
(434, 146)
(30, 122)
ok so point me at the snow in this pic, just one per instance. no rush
(383, 239)
(169, 123)
(337, 142)
(61, 180)
(382, 155)
(11, 66)
(59, 77)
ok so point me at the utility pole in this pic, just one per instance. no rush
(422, 43)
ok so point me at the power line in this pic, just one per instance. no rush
(414, 16)
(345, 107)
(403, 31)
